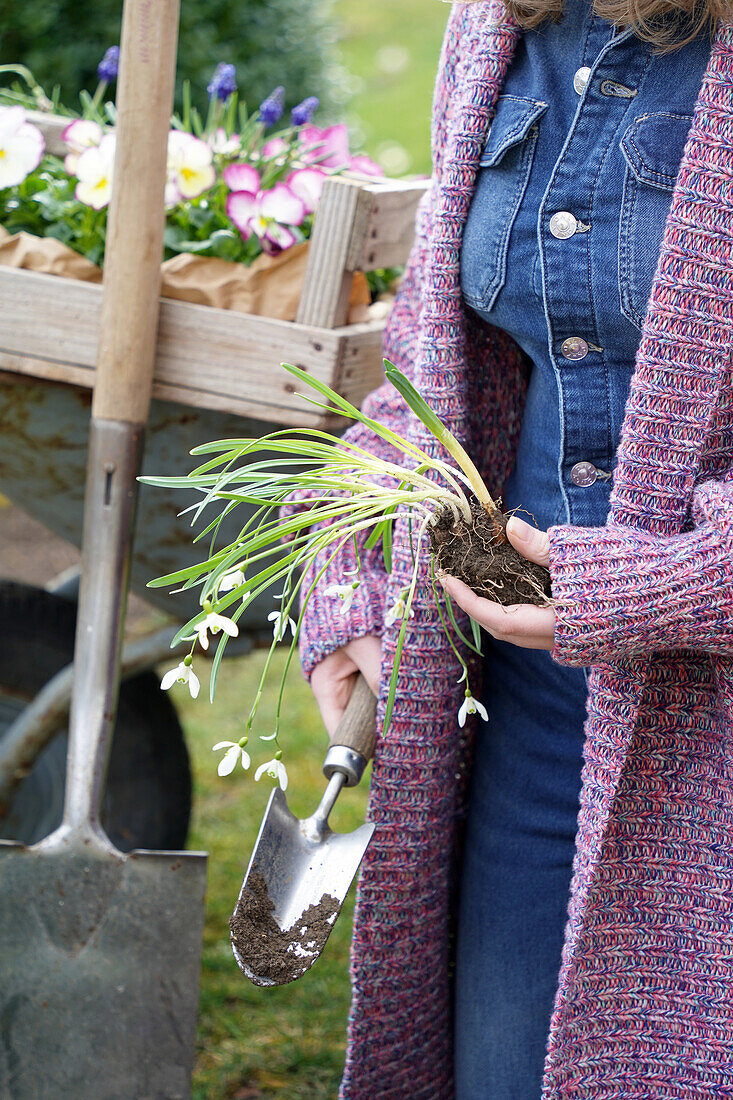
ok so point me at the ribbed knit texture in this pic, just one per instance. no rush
(645, 1000)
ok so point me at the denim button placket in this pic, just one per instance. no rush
(569, 263)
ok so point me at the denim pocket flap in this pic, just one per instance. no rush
(514, 118)
(653, 147)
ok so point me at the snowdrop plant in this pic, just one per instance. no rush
(301, 516)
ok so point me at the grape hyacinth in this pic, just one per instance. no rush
(303, 112)
(271, 109)
(108, 67)
(223, 82)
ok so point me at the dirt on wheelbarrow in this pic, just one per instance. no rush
(480, 554)
(270, 952)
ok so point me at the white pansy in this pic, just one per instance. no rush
(471, 706)
(182, 674)
(81, 134)
(21, 146)
(397, 611)
(343, 592)
(281, 622)
(235, 751)
(231, 580)
(190, 164)
(215, 623)
(276, 770)
(94, 168)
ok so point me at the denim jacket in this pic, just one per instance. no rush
(563, 235)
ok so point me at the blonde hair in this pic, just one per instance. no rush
(667, 24)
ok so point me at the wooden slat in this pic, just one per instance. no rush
(209, 358)
(387, 235)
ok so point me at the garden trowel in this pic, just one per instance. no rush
(300, 871)
(100, 950)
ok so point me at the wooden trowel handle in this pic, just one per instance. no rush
(352, 745)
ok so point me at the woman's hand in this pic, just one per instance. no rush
(333, 679)
(521, 624)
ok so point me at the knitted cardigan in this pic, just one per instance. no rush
(644, 1006)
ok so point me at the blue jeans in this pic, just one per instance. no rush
(516, 872)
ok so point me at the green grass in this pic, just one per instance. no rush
(283, 1042)
(392, 48)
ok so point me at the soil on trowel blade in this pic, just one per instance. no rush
(480, 554)
(271, 954)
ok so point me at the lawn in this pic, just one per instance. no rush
(288, 1043)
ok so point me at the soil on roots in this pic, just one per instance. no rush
(480, 555)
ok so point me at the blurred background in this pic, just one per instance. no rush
(372, 63)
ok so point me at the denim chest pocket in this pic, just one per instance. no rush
(652, 148)
(503, 172)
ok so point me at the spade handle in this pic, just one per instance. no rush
(352, 745)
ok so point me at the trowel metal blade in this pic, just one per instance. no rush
(299, 871)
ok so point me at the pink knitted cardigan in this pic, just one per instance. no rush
(644, 1006)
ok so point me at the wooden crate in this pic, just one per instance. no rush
(220, 359)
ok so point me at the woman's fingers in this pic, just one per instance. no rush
(333, 679)
(532, 544)
(521, 624)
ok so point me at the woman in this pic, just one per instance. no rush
(566, 162)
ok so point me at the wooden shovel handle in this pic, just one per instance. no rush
(357, 728)
(136, 221)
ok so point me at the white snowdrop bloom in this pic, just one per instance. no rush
(235, 751)
(343, 592)
(215, 623)
(182, 674)
(21, 146)
(471, 706)
(231, 580)
(397, 611)
(276, 770)
(281, 622)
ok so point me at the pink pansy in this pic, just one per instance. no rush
(365, 165)
(267, 214)
(307, 183)
(329, 147)
(21, 146)
(274, 147)
(81, 134)
(241, 177)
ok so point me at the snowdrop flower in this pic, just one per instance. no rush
(21, 146)
(275, 769)
(281, 622)
(235, 751)
(182, 674)
(307, 184)
(214, 623)
(471, 706)
(94, 169)
(397, 611)
(190, 164)
(267, 214)
(343, 592)
(81, 134)
(231, 580)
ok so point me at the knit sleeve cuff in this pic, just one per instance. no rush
(621, 592)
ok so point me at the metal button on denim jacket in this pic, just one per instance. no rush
(563, 236)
